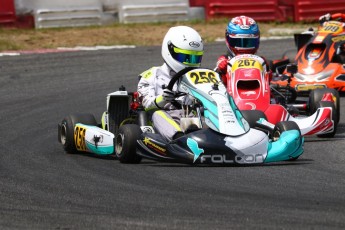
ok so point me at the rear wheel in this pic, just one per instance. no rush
(66, 129)
(126, 142)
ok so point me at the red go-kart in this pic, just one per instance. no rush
(248, 83)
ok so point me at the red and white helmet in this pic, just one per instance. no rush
(242, 35)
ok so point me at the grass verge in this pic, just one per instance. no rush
(118, 34)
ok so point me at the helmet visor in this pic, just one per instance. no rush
(187, 57)
(243, 42)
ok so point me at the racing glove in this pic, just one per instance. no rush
(166, 97)
(188, 100)
(325, 18)
(222, 64)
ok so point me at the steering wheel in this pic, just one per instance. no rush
(172, 82)
(178, 75)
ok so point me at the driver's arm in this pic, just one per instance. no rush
(150, 98)
(338, 16)
(328, 17)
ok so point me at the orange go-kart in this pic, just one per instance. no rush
(320, 58)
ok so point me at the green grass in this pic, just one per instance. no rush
(142, 34)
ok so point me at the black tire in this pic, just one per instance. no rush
(315, 97)
(66, 129)
(282, 126)
(335, 117)
(252, 116)
(126, 142)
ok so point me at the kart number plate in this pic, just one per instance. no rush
(331, 27)
(247, 63)
(79, 138)
(201, 77)
(309, 87)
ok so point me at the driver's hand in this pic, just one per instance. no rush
(168, 95)
(222, 64)
(325, 18)
(188, 100)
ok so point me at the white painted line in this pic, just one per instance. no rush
(9, 54)
(97, 47)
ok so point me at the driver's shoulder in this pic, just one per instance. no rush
(147, 74)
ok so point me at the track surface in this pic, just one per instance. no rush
(41, 187)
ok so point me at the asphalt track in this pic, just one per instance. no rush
(41, 187)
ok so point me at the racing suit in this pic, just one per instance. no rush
(150, 89)
(328, 17)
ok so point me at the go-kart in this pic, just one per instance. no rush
(248, 82)
(222, 134)
(320, 58)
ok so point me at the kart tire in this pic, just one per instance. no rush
(252, 116)
(335, 117)
(315, 97)
(66, 129)
(282, 126)
(125, 144)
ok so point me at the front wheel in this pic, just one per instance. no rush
(282, 126)
(126, 142)
(66, 129)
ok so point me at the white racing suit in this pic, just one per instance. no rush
(150, 88)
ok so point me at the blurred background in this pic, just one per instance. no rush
(66, 13)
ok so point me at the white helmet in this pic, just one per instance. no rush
(182, 47)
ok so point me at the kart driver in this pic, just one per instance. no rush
(242, 36)
(328, 17)
(341, 48)
(182, 47)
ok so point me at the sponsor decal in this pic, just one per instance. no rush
(216, 159)
(147, 74)
(248, 93)
(309, 87)
(194, 147)
(194, 44)
(223, 159)
(245, 27)
(147, 141)
(339, 38)
(79, 138)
